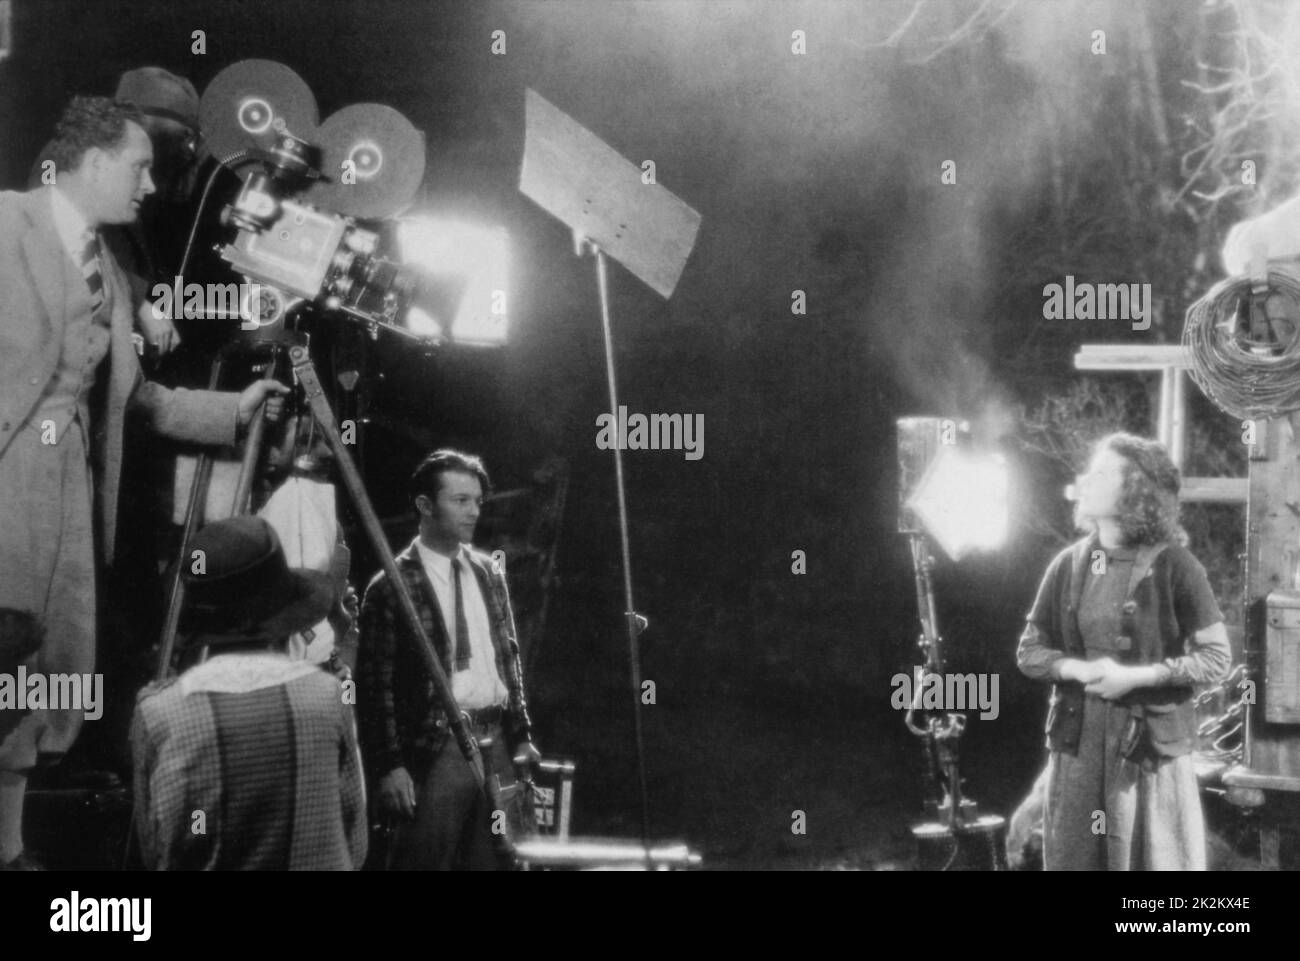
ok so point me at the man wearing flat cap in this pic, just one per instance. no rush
(248, 761)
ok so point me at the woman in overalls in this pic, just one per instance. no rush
(1124, 625)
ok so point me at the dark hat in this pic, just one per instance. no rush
(160, 93)
(244, 590)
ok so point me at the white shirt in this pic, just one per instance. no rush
(479, 686)
(74, 233)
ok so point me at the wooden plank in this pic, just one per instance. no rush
(1165, 412)
(1238, 777)
(1127, 357)
(1215, 490)
(1273, 530)
(1120, 366)
(1270, 847)
(1162, 352)
(1177, 415)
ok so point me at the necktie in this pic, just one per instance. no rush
(462, 625)
(90, 270)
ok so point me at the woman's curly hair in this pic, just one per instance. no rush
(1148, 501)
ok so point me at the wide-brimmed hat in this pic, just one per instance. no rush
(240, 589)
(160, 93)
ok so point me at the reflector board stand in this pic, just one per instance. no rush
(582, 181)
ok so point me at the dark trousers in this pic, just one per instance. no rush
(452, 827)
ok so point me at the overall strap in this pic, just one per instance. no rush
(1146, 557)
(1080, 560)
(1142, 564)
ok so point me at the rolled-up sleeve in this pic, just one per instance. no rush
(1208, 657)
(1039, 651)
(1207, 661)
(1035, 658)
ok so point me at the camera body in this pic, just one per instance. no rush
(313, 255)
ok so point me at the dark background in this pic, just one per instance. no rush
(818, 173)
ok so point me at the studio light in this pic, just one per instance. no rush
(962, 501)
(957, 497)
(474, 257)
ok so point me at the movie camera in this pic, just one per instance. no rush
(309, 214)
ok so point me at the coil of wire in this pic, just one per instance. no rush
(1246, 378)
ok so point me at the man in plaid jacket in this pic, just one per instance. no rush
(420, 780)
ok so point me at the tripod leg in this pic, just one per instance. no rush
(248, 466)
(252, 448)
(305, 372)
(176, 589)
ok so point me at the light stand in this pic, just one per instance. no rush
(634, 621)
(955, 819)
(955, 822)
(613, 211)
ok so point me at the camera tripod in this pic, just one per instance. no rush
(305, 375)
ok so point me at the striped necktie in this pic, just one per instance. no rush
(90, 270)
(462, 624)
